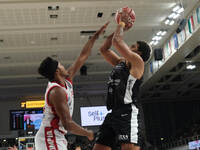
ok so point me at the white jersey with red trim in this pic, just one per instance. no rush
(51, 133)
(50, 117)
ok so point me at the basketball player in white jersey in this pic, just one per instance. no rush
(59, 101)
(122, 126)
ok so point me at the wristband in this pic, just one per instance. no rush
(121, 23)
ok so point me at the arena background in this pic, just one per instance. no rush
(31, 30)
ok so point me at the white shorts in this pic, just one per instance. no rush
(48, 138)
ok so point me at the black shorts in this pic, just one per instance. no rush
(120, 126)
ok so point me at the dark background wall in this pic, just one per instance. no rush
(166, 119)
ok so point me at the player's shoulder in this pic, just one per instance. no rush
(57, 90)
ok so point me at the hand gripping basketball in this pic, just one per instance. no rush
(126, 15)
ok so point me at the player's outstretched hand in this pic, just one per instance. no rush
(101, 30)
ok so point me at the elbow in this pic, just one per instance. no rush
(68, 125)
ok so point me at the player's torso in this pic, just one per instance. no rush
(51, 119)
(120, 86)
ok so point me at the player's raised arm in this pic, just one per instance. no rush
(109, 55)
(85, 52)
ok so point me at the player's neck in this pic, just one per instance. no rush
(60, 80)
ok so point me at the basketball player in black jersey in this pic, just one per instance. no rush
(122, 125)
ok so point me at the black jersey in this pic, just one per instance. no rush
(123, 88)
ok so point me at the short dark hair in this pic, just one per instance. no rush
(145, 49)
(48, 68)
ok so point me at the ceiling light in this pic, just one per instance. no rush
(154, 38)
(191, 67)
(158, 38)
(176, 16)
(172, 15)
(155, 43)
(176, 8)
(167, 21)
(151, 43)
(159, 33)
(163, 33)
(171, 22)
(180, 10)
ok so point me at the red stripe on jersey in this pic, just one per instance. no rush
(50, 139)
(55, 124)
(66, 98)
(68, 79)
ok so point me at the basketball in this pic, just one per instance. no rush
(127, 16)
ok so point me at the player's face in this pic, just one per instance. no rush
(63, 71)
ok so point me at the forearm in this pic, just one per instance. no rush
(82, 57)
(84, 53)
(88, 47)
(118, 34)
(107, 44)
(76, 129)
(120, 45)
